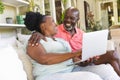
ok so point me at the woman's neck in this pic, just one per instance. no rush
(50, 36)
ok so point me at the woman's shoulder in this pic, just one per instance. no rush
(47, 40)
(61, 40)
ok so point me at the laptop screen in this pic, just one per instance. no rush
(94, 43)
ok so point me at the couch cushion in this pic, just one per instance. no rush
(110, 45)
(11, 67)
(25, 60)
(26, 64)
(117, 44)
(23, 38)
(8, 41)
(115, 33)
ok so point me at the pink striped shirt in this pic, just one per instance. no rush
(75, 41)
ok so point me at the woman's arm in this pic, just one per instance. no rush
(39, 54)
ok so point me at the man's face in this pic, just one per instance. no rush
(70, 19)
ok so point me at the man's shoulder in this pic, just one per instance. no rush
(60, 25)
(79, 30)
(60, 28)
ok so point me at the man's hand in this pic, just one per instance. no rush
(35, 38)
(90, 60)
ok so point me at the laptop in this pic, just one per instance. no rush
(94, 43)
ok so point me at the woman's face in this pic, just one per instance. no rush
(50, 26)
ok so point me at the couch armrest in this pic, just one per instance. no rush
(110, 45)
(117, 44)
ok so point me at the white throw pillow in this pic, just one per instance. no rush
(23, 38)
(110, 45)
(8, 41)
(22, 41)
(11, 67)
(21, 44)
(26, 63)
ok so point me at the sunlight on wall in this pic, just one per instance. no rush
(8, 12)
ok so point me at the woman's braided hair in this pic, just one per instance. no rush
(33, 21)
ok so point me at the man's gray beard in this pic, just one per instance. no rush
(68, 29)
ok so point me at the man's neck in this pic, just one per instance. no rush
(72, 32)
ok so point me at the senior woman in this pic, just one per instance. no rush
(51, 58)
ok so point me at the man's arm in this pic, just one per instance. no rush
(35, 38)
(89, 61)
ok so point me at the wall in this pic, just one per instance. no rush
(80, 6)
(96, 9)
(92, 4)
(7, 32)
(8, 12)
(40, 3)
(99, 13)
(23, 10)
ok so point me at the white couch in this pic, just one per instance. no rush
(115, 37)
(19, 47)
(15, 64)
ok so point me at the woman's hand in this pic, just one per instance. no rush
(35, 38)
(77, 56)
(75, 59)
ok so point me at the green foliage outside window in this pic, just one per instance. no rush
(1, 7)
(93, 25)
